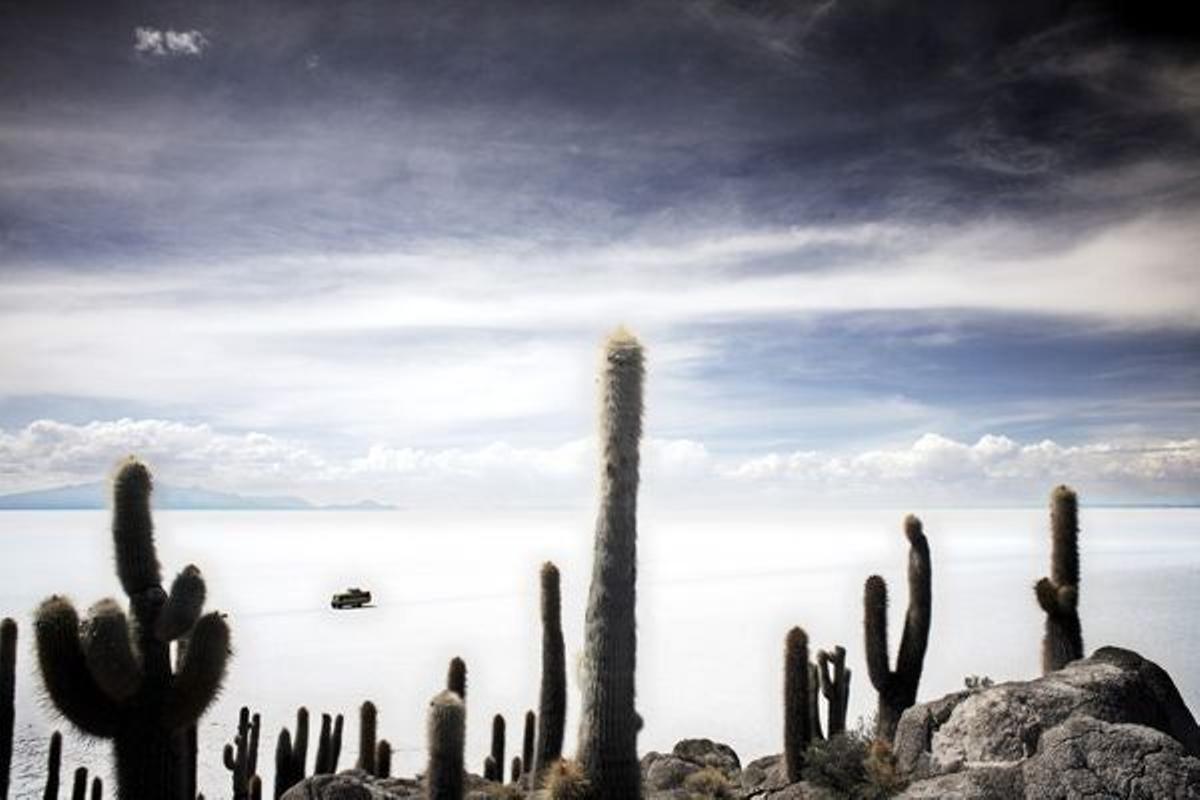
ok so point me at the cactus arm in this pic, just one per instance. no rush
(110, 658)
(915, 639)
(875, 628)
(201, 673)
(64, 670)
(133, 529)
(184, 605)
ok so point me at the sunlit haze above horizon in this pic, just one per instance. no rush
(878, 253)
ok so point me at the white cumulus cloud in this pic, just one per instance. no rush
(153, 41)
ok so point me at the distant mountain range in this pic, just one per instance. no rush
(179, 498)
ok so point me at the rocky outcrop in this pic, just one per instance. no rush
(1109, 726)
(1112, 726)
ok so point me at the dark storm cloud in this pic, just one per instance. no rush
(363, 125)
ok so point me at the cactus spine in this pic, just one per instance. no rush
(797, 707)
(607, 750)
(447, 729)
(8, 688)
(898, 689)
(456, 677)
(1058, 595)
(95, 680)
(835, 685)
(367, 719)
(552, 697)
(498, 731)
(53, 767)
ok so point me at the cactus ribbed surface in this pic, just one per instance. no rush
(456, 677)
(835, 685)
(608, 729)
(8, 688)
(498, 737)
(367, 720)
(552, 697)
(447, 731)
(96, 682)
(797, 706)
(898, 689)
(53, 767)
(1058, 595)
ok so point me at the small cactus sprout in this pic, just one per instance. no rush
(1058, 595)
(814, 704)
(447, 728)
(383, 759)
(515, 771)
(80, 784)
(835, 685)
(498, 730)
(608, 729)
(490, 770)
(528, 742)
(797, 727)
(456, 677)
(53, 767)
(367, 719)
(552, 697)
(93, 677)
(8, 688)
(898, 689)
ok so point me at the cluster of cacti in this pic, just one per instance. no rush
(8, 689)
(897, 688)
(115, 681)
(241, 757)
(609, 722)
(447, 733)
(291, 754)
(329, 745)
(552, 696)
(1058, 594)
(494, 764)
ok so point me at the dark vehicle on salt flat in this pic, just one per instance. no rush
(351, 598)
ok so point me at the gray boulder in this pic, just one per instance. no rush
(1112, 725)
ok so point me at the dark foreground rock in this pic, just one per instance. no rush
(1109, 726)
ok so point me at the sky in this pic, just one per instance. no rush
(878, 252)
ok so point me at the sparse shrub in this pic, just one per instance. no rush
(854, 765)
(500, 792)
(708, 784)
(977, 682)
(565, 781)
(883, 777)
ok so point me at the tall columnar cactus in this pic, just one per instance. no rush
(835, 685)
(609, 724)
(324, 745)
(456, 677)
(8, 688)
(447, 731)
(498, 735)
(53, 767)
(241, 757)
(797, 723)
(1058, 594)
(528, 743)
(300, 745)
(283, 763)
(79, 785)
(114, 680)
(335, 745)
(367, 720)
(552, 697)
(898, 689)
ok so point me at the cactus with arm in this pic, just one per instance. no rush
(897, 688)
(114, 680)
(835, 685)
(1058, 595)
